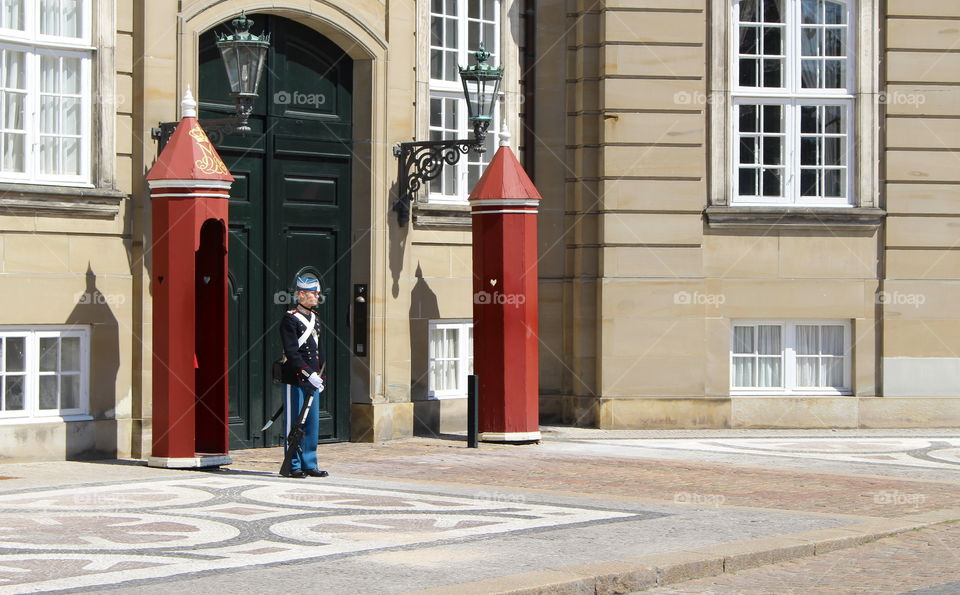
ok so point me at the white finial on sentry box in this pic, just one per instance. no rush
(504, 135)
(188, 107)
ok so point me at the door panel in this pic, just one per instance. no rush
(289, 211)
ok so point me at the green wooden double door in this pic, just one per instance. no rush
(289, 216)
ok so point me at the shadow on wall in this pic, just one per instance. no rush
(398, 239)
(424, 307)
(97, 439)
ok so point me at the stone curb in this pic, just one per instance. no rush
(637, 574)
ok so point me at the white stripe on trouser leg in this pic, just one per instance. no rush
(287, 411)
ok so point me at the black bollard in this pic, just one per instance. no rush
(472, 416)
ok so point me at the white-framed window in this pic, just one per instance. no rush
(792, 96)
(807, 357)
(457, 28)
(45, 91)
(451, 357)
(44, 372)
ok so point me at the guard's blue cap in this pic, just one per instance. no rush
(307, 284)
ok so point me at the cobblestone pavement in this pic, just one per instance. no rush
(431, 513)
(682, 482)
(919, 561)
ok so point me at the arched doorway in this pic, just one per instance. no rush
(289, 213)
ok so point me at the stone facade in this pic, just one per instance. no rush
(644, 260)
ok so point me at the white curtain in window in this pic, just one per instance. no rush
(808, 372)
(743, 371)
(832, 340)
(12, 15)
(769, 343)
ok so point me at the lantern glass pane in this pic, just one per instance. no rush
(231, 64)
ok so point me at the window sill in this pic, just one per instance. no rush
(794, 218)
(50, 419)
(59, 201)
(441, 216)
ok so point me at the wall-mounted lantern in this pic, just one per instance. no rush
(422, 161)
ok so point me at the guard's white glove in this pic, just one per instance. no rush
(316, 381)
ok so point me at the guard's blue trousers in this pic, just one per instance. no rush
(295, 397)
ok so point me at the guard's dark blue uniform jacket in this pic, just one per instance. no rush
(305, 359)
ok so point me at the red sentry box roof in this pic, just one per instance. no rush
(189, 155)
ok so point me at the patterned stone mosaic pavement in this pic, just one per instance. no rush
(100, 535)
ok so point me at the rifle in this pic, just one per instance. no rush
(296, 432)
(295, 436)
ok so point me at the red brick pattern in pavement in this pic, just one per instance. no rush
(525, 467)
(905, 562)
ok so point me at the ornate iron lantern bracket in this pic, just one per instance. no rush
(422, 161)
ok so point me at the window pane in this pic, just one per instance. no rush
(49, 112)
(748, 182)
(748, 40)
(49, 17)
(450, 39)
(72, 18)
(768, 371)
(70, 122)
(49, 356)
(436, 64)
(13, 153)
(808, 119)
(473, 36)
(808, 371)
(14, 66)
(488, 10)
(743, 339)
(49, 78)
(809, 41)
(49, 158)
(772, 118)
(12, 15)
(832, 372)
(48, 392)
(451, 8)
(809, 151)
(835, 13)
(70, 391)
(833, 183)
(810, 74)
(13, 117)
(16, 360)
(773, 11)
(743, 371)
(748, 118)
(473, 9)
(807, 343)
(833, 153)
(833, 74)
(772, 41)
(748, 72)
(748, 150)
(772, 151)
(834, 42)
(13, 393)
(452, 74)
(71, 76)
(748, 11)
(831, 340)
(773, 73)
(810, 11)
(773, 182)
(809, 182)
(436, 31)
(768, 340)
(833, 119)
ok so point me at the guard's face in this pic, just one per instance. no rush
(308, 299)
